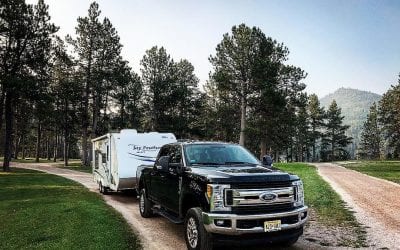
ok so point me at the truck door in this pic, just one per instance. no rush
(157, 178)
(171, 184)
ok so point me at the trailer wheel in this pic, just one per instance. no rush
(100, 188)
(103, 189)
(145, 205)
(196, 236)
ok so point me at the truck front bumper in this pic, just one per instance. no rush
(234, 224)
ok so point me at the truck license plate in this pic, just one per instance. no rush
(273, 225)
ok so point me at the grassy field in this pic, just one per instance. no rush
(330, 209)
(76, 166)
(388, 170)
(29, 160)
(43, 211)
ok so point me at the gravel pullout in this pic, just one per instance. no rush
(375, 201)
(155, 233)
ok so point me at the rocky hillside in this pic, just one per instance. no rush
(355, 106)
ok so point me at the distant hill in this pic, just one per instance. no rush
(355, 106)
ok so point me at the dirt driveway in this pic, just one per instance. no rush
(375, 201)
(155, 233)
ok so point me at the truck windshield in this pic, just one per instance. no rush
(217, 154)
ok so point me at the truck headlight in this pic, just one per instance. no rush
(299, 193)
(215, 196)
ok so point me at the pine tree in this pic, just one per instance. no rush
(249, 70)
(157, 69)
(127, 93)
(316, 117)
(66, 91)
(389, 117)
(371, 136)
(334, 140)
(25, 34)
(233, 66)
(98, 50)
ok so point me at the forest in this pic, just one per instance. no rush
(58, 93)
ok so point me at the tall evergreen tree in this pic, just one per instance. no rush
(25, 35)
(316, 117)
(371, 136)
(249, 69)
(233, 66)
(302, 132)
(66, 91)
(389, 116)
(98, 50)
(158, 80)
(334, 141)
(127, 93)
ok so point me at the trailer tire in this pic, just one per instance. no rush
(196, 236)
(145, 205)
(100, 188)
(103, 189)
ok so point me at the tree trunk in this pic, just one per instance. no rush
(313, 151)
(38, 139)
(23, 151)
(48, 157)
(55, 149)
(65, 149)
(2, 106)
(16, 149)
(243, 107)
(85, 146)
(9, 131)
(263, 147)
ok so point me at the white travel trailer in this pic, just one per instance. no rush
(116, 157)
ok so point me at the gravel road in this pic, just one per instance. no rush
(154, 233)
(375, 201)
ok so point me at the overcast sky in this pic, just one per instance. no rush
(338, 43)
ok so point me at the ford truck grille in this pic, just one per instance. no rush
(262, 209)
(278, 198)
(256, 185)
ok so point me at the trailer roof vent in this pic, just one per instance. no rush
(128, 131)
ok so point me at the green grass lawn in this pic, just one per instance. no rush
(43, 211)
(388, 170)
(76, 166)
(330, 209)
(28, 160)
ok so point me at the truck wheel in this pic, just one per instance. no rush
(196, 236)
(289, 242)
(145, 205)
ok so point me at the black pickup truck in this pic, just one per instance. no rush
(223, 195)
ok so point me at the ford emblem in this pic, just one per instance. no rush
(268, 196)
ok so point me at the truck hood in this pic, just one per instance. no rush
(240, 173)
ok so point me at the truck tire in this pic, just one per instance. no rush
(145, 205)
(289, 242)
(196, 236)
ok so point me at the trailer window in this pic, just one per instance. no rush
(107, 153)
(103, 158)
(96, 159)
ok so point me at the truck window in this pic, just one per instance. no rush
(175, 154)
(164, 151)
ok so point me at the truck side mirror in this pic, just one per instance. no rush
(267, 161)
(163, 162)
